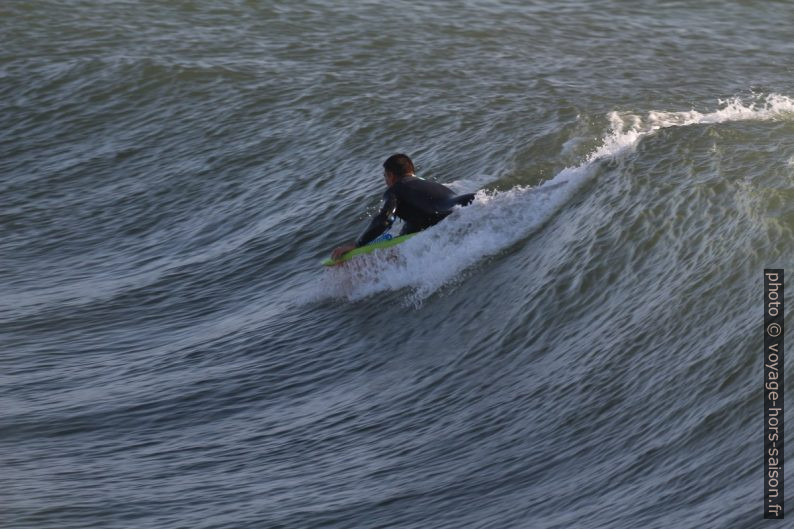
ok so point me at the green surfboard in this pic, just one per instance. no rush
(368, 248)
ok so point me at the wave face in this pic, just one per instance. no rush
(500, 219)
(579, 347)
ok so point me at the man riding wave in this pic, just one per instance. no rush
(419, 203)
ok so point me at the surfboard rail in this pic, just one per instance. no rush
(367, 248)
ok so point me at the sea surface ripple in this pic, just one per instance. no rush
(580, 347)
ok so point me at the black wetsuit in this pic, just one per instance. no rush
(419, 203)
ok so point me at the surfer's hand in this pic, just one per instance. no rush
(341, 250)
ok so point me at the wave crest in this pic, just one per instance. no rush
(500, 219)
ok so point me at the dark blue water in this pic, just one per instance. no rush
(580, 347)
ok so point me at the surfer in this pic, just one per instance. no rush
(419, 203)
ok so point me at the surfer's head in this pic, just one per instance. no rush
(397, 166)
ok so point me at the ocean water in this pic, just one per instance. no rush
(580, 347)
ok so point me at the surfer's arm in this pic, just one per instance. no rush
(339, 251)
(380, 222)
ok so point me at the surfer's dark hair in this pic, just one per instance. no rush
(399, 165)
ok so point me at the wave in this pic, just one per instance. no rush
(497, 220)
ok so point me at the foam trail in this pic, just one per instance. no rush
(495, 221)
(627, 129)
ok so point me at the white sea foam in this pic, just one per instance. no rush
(497, 220)
(770, 107)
